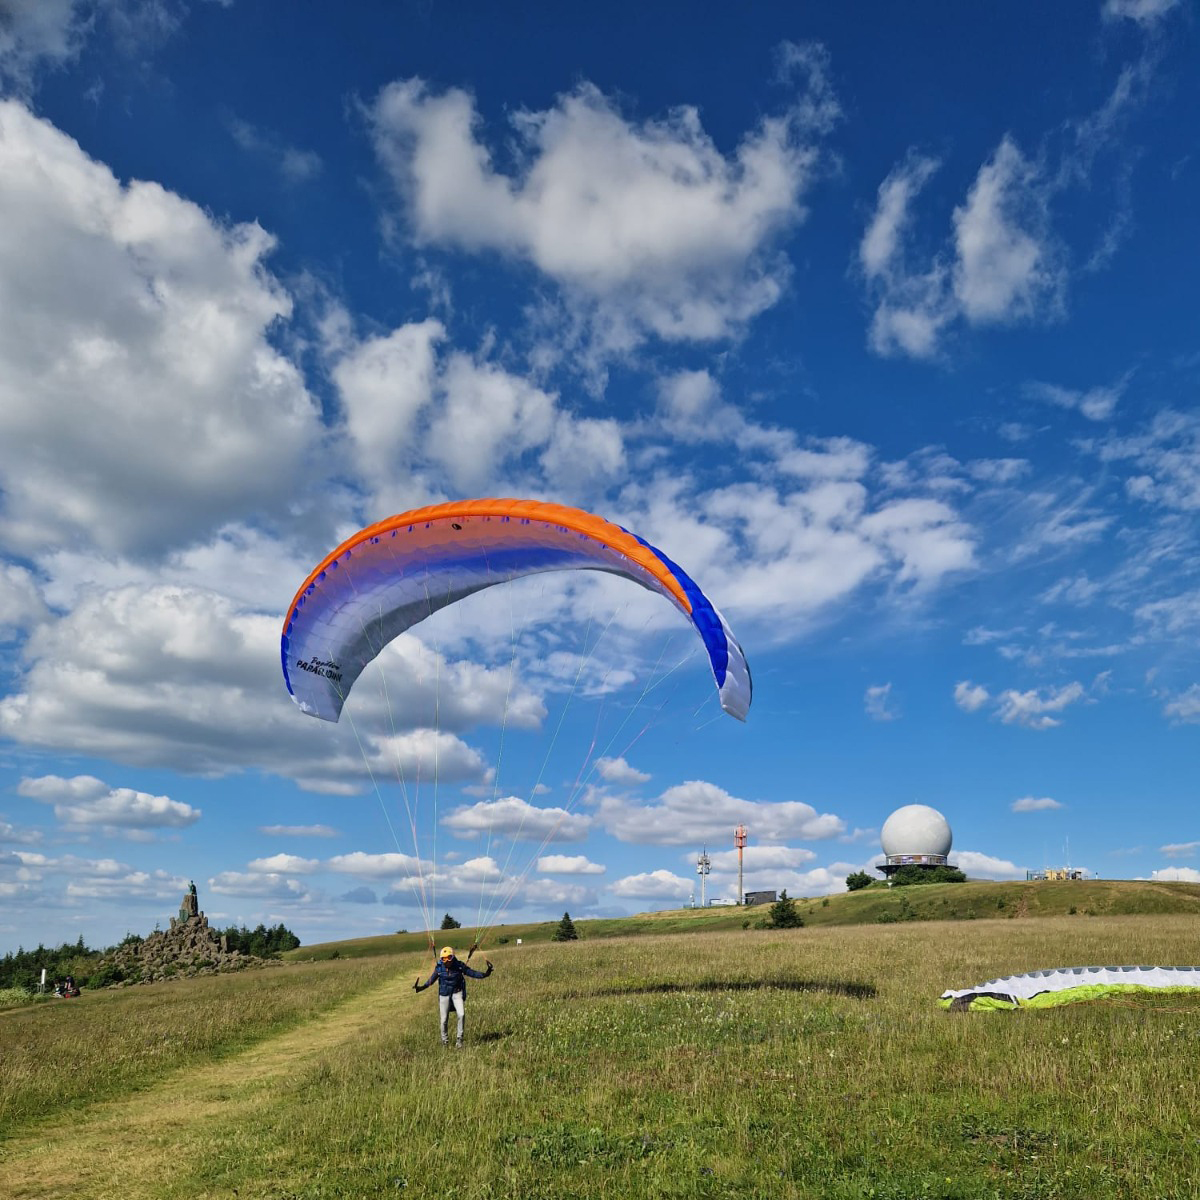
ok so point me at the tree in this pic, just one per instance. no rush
(857, 880)
(448, 922)
(566, 930)
(783, 914)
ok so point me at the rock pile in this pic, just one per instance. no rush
(188, 948)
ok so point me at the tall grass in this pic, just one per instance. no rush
(64, 1053)
(807, 1063)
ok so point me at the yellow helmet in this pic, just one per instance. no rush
(447, 952)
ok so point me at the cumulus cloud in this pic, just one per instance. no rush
(85, 802)
(1144, 12)
(295, 165)
(568, 864)
(652, 885)
(34, 33)
(1176, 875)
(695, 812)
(646, 224)
(128, 309)
(180, 677)
(1034, 804)
(1033, 709)
(284, 864)
(1096, 403)
(1164, 459)
(1179, 849)
(320, 831)
(378, 866)
(457, 420)
(518, 819)
(876, 702)
(1185, 706)
(618, 771)
(1002, 263)
(970, 697)
(258, 885)
(985, 866)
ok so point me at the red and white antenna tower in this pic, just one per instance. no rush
(739, 840)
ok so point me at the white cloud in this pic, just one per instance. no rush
(296, 166)
(1176, 875)
(1184, 707)
(1001, 265)
(568, 864)
(85, 802)
(14, 834)
(1145, 12)
(652, 885)
(757, 859)
(1097, 403)
(648, 225)
(1032, 709)
(135, 347)
(876, 702)
(321, 831)
(180, 677)
(696, 812)
(385, 383)
(1034, 804)
(1005, 268)
(882, 243)
(283, 864)
(985, 866)
(1166, 457)
(1179, 849)
(970, 697)
(21, 602)
(516, 818)
(33, 32)
(617, 770)
(378, 866)
(253, 884)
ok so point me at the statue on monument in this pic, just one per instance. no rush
(191, 905)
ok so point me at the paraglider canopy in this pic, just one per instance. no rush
(395, 573)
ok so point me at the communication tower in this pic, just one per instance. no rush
(739, 840)
(703, 867)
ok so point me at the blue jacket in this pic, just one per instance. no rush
(450, 977)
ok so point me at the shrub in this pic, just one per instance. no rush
(912, 875)
(858, 880)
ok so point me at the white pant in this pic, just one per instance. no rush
(460, 1007)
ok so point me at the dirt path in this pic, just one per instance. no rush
(130, 1147)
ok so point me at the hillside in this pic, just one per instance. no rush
(878, 904)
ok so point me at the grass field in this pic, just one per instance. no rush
(807, 1063)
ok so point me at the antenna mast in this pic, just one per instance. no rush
(703, 867)
(739, 840)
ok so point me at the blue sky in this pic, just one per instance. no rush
(882, 322)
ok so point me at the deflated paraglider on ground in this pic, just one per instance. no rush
(1069, 985)
(393, 574)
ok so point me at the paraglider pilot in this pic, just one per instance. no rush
(451, 975)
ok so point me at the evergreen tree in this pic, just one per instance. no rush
(566, 930)
(448, 922)
(783, 913)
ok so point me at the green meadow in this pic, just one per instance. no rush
(680, 1056)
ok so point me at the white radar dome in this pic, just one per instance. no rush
(916, 829)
